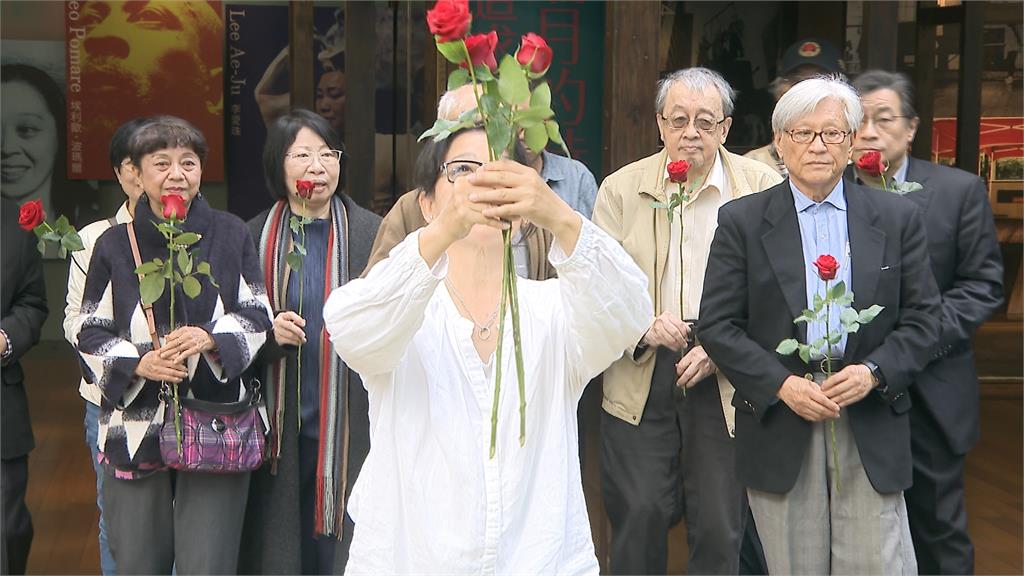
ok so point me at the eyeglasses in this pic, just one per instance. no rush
(455, 169)
(882, 122)
(829, 136)
(703, 123)
(305, 157)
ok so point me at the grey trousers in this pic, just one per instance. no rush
(187, 521)
(678, 463)
(815, 529)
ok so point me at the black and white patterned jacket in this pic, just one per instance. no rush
(115, 336)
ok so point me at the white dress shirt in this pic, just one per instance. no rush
(429, 499)
(76, 285)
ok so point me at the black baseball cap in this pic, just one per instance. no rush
(811, 52)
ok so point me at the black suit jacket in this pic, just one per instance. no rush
(968, 269)
(23, 299)
(755, 287)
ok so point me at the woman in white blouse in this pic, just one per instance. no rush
(421, 330)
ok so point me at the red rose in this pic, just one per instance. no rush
(677, 171)
(871, 163)
(827, 267)
(535, 53)
(481, 50)
(304, 188)
(449, 20)
(31, 215)
(174, 207)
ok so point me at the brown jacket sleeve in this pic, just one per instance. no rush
(404, 218)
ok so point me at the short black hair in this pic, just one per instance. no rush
(281, 135)
(119, 142)
(428, 163)
(163, 132)
(898, 82)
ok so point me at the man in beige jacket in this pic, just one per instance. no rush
(666, 455)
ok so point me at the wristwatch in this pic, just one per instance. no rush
(877, 376)
(9, 351)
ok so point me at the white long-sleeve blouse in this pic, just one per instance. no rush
(429, 499)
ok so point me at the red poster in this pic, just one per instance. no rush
(138, 58)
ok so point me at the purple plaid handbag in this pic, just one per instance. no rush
(215, 438)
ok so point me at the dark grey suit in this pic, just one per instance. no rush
(23, 299)
(968, 269)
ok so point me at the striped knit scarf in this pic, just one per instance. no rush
(332, 460)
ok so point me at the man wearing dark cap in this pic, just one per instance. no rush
(805, 59)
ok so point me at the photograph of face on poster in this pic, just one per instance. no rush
(34, 159)
(127, 60)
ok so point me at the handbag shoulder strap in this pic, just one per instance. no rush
(147, 308)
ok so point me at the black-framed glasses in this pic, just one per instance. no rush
(882, 121)
(326, 157)
(828, 136)
(455, 169)
(702, 123)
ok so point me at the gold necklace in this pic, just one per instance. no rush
(483, 331)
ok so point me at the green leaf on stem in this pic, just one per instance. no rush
(835, 338)
(453, 52)
(167, 270)
(147, 268)
(499, 134)
(41, 246)
(869, 314)
(490, 104)
(845, 299)
(787, 346)
(186, 239)
(203, 268)
(483, 74)
(299, 248)
(659, 205)
(851, 328)
(541, 96)
(62, 225)
(556, 136)
(819, 303)
(294, 223)
(39, 231)
(62, 253)
(533, 116)
(805, 353)
(51, 237)
(177, 277)
(184, 262)
(72, 241)
(838, 290)
(536, 138)
(294, 261)
(848, 316)
(817, 344)
(512, 83)
(458, 78)
(151, 287)
(191, 286)
(166, 229)
(441, 129)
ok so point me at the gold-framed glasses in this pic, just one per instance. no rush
(305, 157)
(702, 123)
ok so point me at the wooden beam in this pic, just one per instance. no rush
(300, 53)
(879, 34)
(360, 105)
(968, 103)
(631, 76)
(924, 88)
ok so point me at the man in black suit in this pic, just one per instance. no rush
(23, 297)
(852, 519)
(968, 269)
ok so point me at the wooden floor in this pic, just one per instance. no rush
(62, 494)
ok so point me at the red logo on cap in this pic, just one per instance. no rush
(810, 49)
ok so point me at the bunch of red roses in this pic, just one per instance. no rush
(507, 107)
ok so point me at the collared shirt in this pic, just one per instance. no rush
(574, 183)
(699, 222)
(76, 286)
(430, 497)
(823, 230)
(901, 174)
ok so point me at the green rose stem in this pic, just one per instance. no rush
(174, 387)
(509, 292)
(302, 290)
(827, 365)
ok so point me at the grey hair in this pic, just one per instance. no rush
(897, 82)
(805, 96)
(446, 105)
(696, 79)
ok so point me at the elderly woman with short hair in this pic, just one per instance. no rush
(319, 423)
(825, 499)
(157, 519)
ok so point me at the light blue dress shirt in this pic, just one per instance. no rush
(823, 230)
